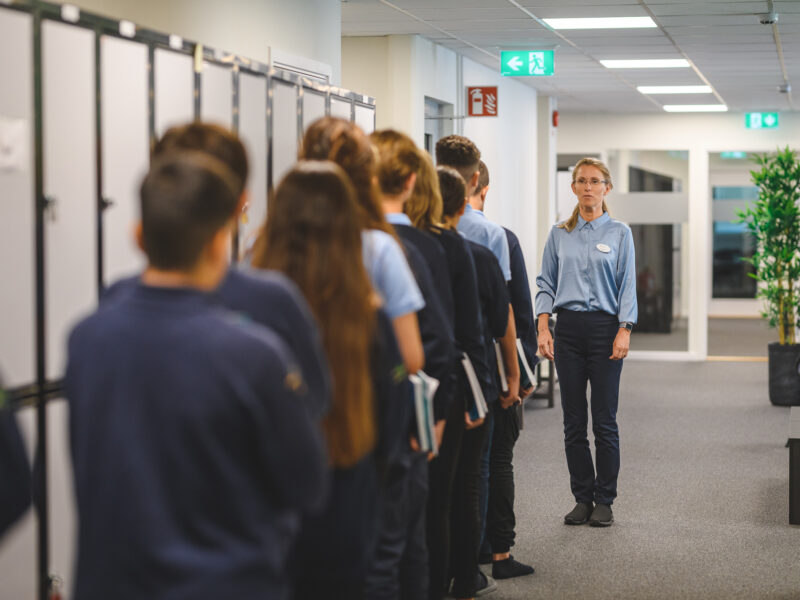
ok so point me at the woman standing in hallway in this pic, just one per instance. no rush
(589, 278)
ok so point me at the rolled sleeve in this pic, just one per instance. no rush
(392, 277)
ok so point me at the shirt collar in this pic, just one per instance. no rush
(469, 210)
(595, 223)
(398, 219)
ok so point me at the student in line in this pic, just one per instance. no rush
(520, 296)
(312, 235)
(265, 297)
(400, 565)
(193, 450)
(424, 209)
(344, 143)
(468, 580)
(464, 156)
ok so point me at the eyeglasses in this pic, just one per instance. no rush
(592, 182)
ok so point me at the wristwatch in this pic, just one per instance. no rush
(626, 325)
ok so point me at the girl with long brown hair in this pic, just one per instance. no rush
(312, 235)
(347, 145)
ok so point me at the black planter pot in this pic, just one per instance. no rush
(784, 379)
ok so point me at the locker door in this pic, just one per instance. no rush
(18, 267)
(313, 106)
(68, 80)
(125, 151)
(216, 95)
(284, 128)
(17, 208)
(253, 133)
(174, 89)
(365, 118)
(340, 107)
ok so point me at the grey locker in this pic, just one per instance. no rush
(253, 133)
(174, 89)
(341, 107)
(216, 95)
(125, 150)
(284, 128)
(17, 208)
(365, 118)
(313, 106)
(68, 86)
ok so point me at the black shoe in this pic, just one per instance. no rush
(580, 514)
(485, 559)
(508, 568)
(601, 516)
(485, 585)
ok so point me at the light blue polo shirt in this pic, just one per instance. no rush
(474, 226)
(390, 274)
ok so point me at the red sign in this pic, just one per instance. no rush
(482, 101)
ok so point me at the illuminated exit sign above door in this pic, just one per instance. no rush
(761, 120)
(527, 63)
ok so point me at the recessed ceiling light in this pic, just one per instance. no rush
(695, 108)
(601, 23)
(674, 89)
(656, 63)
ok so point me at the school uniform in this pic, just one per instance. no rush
(271, 299)
(474, 226)
(336, 547)
(390, 274)
(194, 454)
(468, 326)
(15, 471)
(399, 568)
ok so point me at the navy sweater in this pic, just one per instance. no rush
(520, 292)
(193, 450)
(15, 472)
(493, 296)
(467, 319)
(434, 328)
(272, 299)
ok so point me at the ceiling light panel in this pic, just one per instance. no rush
(674, 89)
(695, 108)
(602, 23)
(659, 63)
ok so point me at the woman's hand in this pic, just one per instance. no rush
(545, 339)
(621, 344)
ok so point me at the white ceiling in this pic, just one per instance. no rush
(723, 39)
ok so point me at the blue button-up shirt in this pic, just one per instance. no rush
(591, 268)
(474, 226)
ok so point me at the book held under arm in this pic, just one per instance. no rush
(478, 408)
(425, 388)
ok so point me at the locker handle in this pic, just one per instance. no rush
(105, 203)
(49, 208)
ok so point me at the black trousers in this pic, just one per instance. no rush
(465, 532)
(399, 565)
(583, 344)
(500, 519)
(442, 471)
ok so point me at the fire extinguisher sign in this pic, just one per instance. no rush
(482, 101)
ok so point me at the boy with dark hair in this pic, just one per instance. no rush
(266, 297)
(193, 451)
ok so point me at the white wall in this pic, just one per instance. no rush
(306, 28)
(399, 71)
(699, 134)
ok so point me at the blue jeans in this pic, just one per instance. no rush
(583, 343)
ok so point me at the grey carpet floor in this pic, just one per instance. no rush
(739, 337)
(702, 510)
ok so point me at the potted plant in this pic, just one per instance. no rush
(774, 220)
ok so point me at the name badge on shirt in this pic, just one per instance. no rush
(604, 248)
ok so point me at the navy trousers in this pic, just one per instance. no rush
(583, 344)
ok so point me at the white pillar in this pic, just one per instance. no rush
(700, 247)
(546, 182)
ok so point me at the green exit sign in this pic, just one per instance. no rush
(761, 120)
(527, 63)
